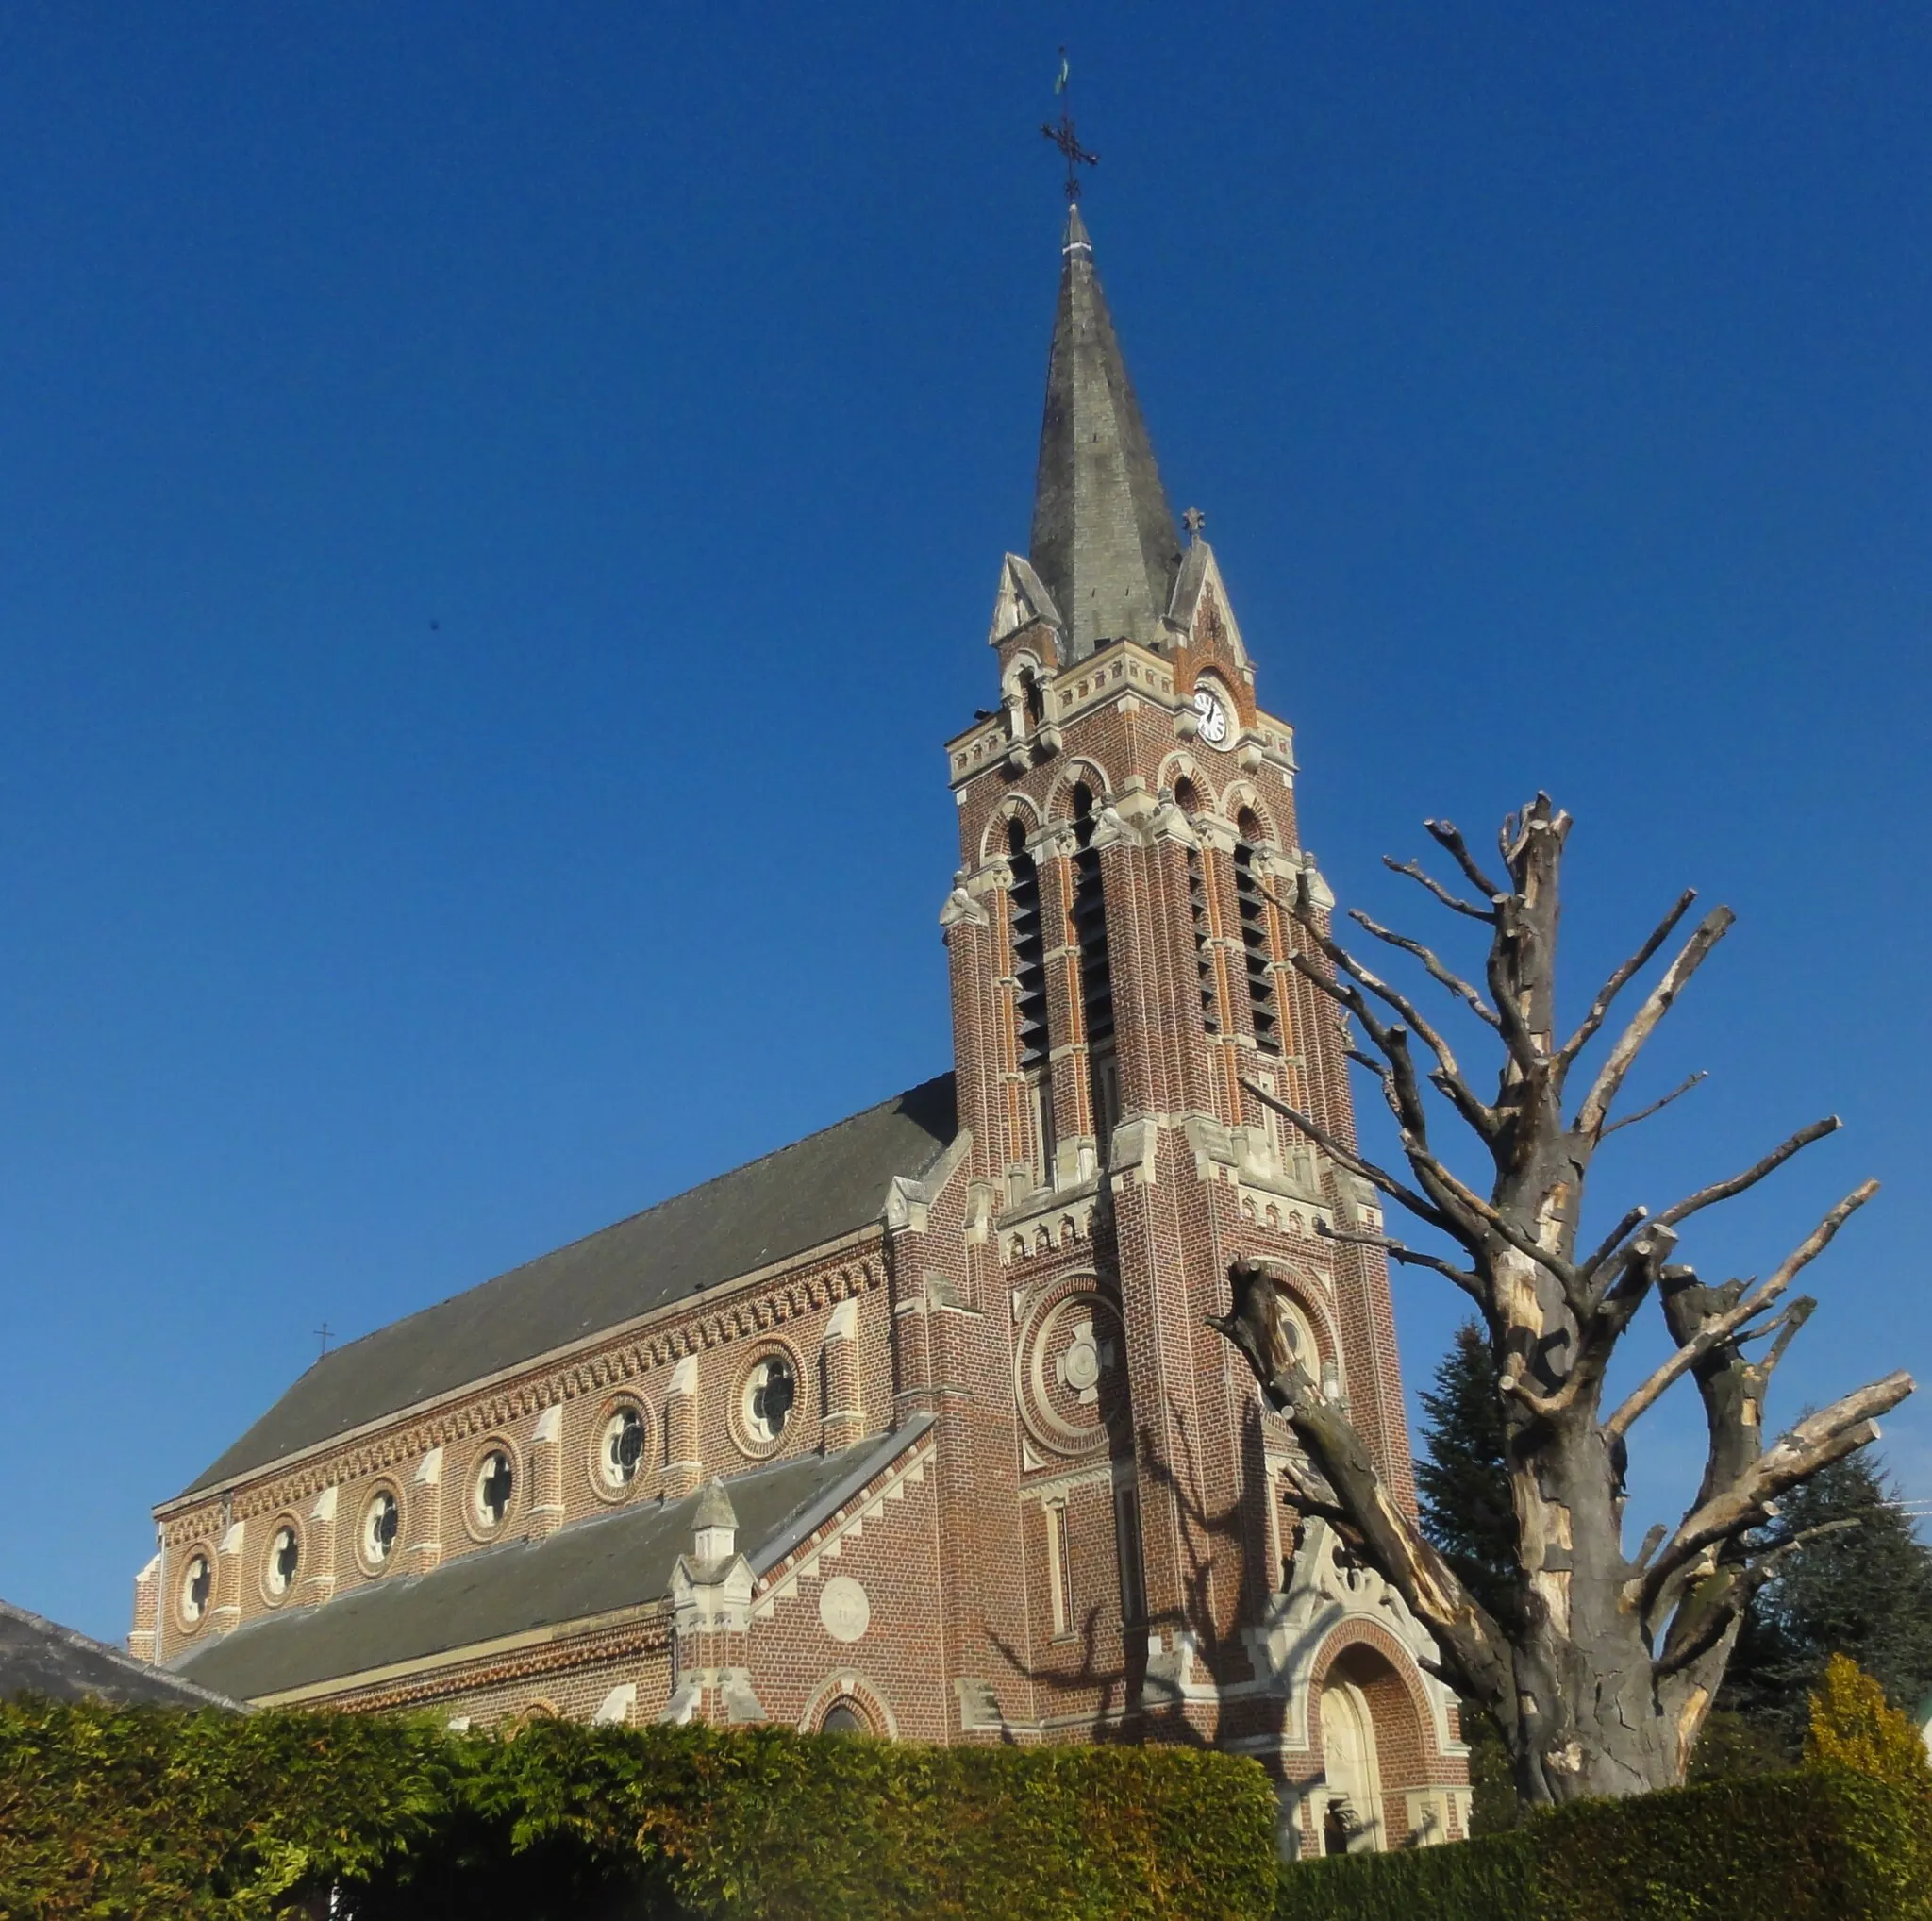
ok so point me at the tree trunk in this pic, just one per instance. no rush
(1601, 1679)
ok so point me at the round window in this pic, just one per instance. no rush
(495, 1483)
(382, 1521)
(770, 1390)
(197, 1588)
(620, 1447)
(284, 1558)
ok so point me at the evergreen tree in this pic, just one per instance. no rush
(1464, 1496)
(1864, 1592)
(1463, 1491)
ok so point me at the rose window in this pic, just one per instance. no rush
(621, 1447)
(770, 1391)
(197, 1584)
(495, 1482)
(382, 1521)
(284, 1557)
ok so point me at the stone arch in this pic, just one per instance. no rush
(1243, 798)
(1181, 766)
(858, 1695)
(1015, 807)
(1082, 771)
(1374, 1730)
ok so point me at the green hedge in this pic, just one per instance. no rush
(133, 1811)
(1807, 1845)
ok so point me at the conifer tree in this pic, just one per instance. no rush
(1857, 1582)
(1460, 1481)
(1463, 1491)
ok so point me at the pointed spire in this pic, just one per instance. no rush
(714, 1527)
(1104, 539)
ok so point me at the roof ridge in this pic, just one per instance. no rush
(808, 1193)
(638, 1214)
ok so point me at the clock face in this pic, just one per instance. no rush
(1215, 727)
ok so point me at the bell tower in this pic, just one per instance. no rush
(1124, 972)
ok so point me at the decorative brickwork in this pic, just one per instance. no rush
(1080, 1523)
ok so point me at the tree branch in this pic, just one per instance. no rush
(1436, 886)
(1353, 1162)
(1600, 1007)
(1410, 1257)
(1471, 1646)
(1723, 1190)
(1816, 1441)
(1722, 1598)
(1446, 834)
(1657, 1003)
(1722, 1326)
(1453, 982)
(1338, 956)
(1656, 1105)
(1612, 1241)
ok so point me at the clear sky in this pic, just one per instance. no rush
(499, 508)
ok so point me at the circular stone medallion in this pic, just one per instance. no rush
(843, 1607)
(1072, 1377)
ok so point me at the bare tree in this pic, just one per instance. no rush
(1602, 1679)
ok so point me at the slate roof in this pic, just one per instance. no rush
(41, 1657)
(1104, 538)
(592, 1567)
(817, 1190)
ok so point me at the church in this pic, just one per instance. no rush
(915, 1428)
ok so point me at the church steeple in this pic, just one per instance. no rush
(1104, 539)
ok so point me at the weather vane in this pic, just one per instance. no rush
(1062, 136)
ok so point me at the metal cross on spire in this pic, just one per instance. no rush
(1062, 136)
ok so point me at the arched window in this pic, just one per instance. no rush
(843, 1717)
(1029, 996)
(1257, 946)
(1096, 975)
(1033, 698)
(1189, 801)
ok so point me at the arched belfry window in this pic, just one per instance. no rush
(1029, 994)
(1256, 947)
(1096, 974)
(1189, 801)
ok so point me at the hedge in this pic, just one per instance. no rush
(109, 1812)
(1805, 1845)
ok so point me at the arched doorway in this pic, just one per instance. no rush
(1351, 1795)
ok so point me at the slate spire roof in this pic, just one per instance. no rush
(1104, 538)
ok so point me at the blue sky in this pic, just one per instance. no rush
(499, 508)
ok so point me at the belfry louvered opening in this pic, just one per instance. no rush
(1256, 946)
(1097, 974)
(1029, 950)
(1190, 804)
(1031, 1037)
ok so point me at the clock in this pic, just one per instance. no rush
(1216, 729)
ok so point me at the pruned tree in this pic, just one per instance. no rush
(1599, 1683)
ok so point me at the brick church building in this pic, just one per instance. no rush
(914, 1427)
